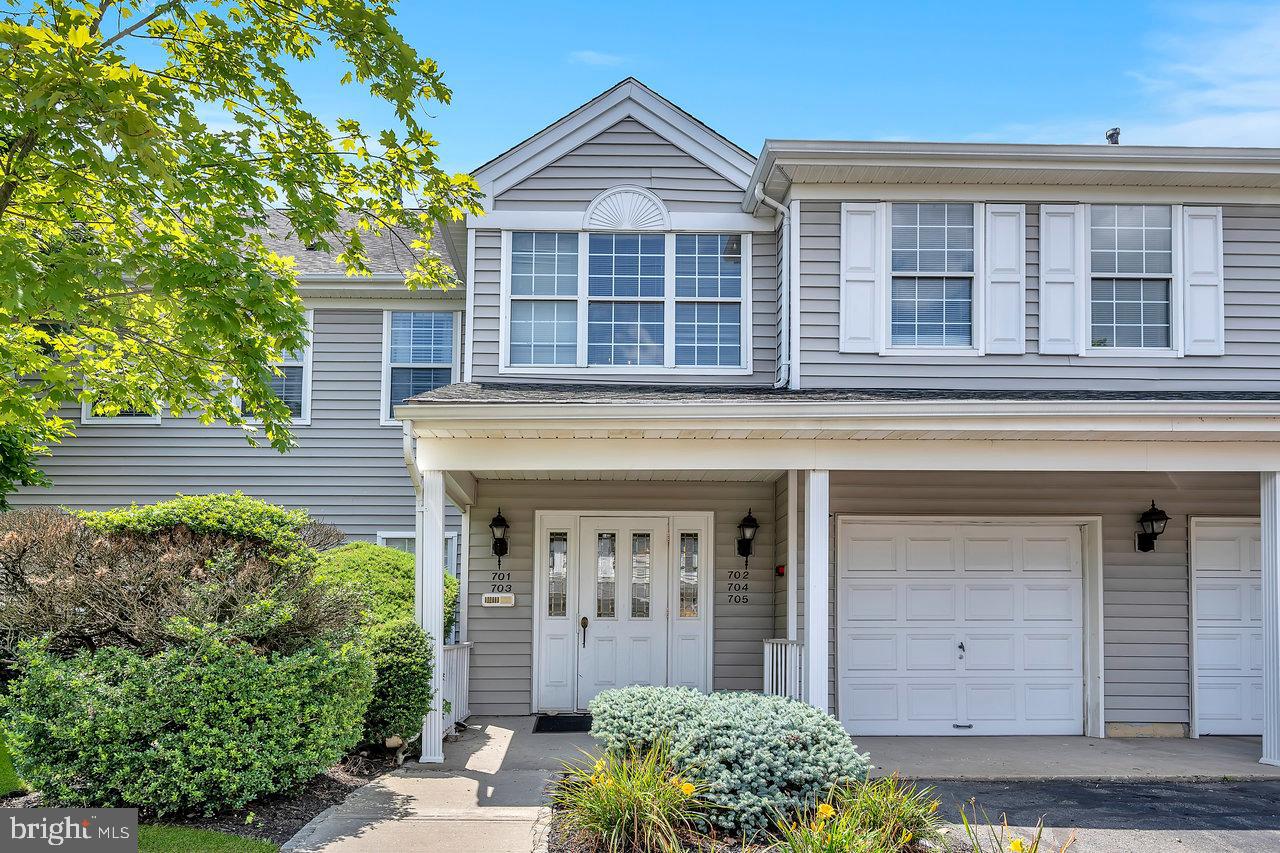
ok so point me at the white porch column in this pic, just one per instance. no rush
(1271, 618)
(817, 622)
(429, 581)
(793, 554)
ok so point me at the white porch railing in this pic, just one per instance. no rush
(455, 684)
(782, 668)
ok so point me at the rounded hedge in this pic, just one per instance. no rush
(204, 726)
(758, 756)
(401, 655)
(386, 575)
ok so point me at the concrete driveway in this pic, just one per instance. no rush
(1131, 817)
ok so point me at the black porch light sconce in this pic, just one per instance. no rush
(498, 527)
(746, 536)
(1152, 522)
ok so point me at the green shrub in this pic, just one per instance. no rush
(208, 725)
(633, 718)
(759, 756)
(9, 781)
(633, 802)
(386, 576)
(401, 655)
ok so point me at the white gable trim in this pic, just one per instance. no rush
(628, 100)
(626, 208)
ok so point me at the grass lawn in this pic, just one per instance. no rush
(180, 839)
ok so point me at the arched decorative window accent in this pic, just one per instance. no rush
(626, 208)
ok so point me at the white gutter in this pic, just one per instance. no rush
(783, 287)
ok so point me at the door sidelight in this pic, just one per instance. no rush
(583, 622)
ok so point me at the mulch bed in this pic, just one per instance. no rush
(279, 817)
(561, 841)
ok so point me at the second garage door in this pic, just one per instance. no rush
(960, 629)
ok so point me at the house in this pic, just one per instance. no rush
(869, 424)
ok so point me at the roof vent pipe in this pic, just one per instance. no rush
(1113, 136)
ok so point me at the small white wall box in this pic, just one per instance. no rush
(498, 599)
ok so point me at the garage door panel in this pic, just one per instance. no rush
(1052, 701)
(930, 602)
(1226, 559)
(931, 653)
(989, 602)
(930, 554)
(1051, 602)
(989, 554)
(990, 652)
(871, 554)
(1009, 594)
(1058, 653)
(862, 602)
(861, 652)
(932, 702)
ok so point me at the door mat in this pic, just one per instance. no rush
(561, 723)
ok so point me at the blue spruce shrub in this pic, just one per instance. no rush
(755, 757)
(632, 719)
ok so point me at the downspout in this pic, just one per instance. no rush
(784, 287)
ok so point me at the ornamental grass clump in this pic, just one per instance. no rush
(637, 802)
(984, 836)
(876, 816)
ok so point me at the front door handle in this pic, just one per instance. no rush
(583, 622)
(961, 644)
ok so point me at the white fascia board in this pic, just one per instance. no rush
(752, 455)
(572, 220)
(629, 100)
(1064, 193)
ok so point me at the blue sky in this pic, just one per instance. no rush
(957, 71)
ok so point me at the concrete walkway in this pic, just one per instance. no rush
(487, 796)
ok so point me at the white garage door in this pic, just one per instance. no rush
(960, 629)
(1227, 567)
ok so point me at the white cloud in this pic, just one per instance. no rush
(1215, 83)
(594, 57)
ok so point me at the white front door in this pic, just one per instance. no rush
(960, 629)
(1226, 568)
(623, 585)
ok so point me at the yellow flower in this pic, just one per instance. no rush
(825, 811)
(677, 782)
(687, 789)
(907, 838)
(933, 807)
(1016, 845)
(816, 826)
(608, 783)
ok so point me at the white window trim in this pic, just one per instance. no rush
(384, 535)
(1084, 295)
(384, 393)
(305, 418)
(581, 368)
(88, 417)
(977, 293)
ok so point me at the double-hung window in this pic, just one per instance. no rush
(418, 356)
(626, 301)
(932, 275)
(92, 413)
(290, 380)
(1131, 276)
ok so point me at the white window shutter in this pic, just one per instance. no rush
(863, 251)
(1063, 278)
(1202, 281)
(1005, 262)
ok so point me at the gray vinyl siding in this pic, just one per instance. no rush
(486, 343)
(1251, 238)
(347, 469)
(626, 153)
(1146, 611)
(502, 638)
